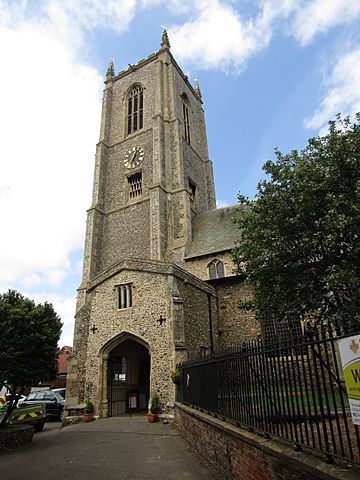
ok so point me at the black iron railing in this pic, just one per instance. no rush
(290, 389)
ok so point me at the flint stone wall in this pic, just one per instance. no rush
(235, 325)
(156, 288)
(198, 266)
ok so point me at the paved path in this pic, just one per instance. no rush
(113, 448)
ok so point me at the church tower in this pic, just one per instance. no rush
(139, 311)
(152, 169)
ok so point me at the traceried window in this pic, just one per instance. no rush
(192, 188)
(135, 109)
(216, 269)
(204, 351)
(282, 333)
(185, 104)
(124, 296)
(135, 185)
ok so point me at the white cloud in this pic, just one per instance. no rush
(77, 17)
(70, 21)
(342, 92)
(319, 16)
(50, 278)
(277, 9)
(55, 277)
(222, 204)
(180, 7)
(30, 281)
(50, 111)
(223, 35)
(65, 308)
(217, 38)
(12, 11)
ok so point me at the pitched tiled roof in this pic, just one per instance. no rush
(214, 231)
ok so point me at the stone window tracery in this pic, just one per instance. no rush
(124, 296)
(185, 105)
(216, 269)
(192, 188)
(135, 109)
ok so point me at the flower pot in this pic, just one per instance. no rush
(88, 417)
(152, 417)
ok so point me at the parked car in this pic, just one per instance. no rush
(53, 401)
(60, 391)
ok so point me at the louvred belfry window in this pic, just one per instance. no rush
(186, 123)
(135, 186)
(186, 117)
(135, 109)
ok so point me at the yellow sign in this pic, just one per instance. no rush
(350, 358)
(352, 380)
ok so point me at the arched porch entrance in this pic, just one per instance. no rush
(128, 376)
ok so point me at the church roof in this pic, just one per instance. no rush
(214, 231)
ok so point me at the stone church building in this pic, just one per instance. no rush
(158, 285)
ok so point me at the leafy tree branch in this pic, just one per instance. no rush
(29, 335)
(299, 239)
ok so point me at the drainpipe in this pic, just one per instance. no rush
(210, 324)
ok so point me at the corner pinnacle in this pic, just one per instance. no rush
(165, 43)
(197, 88)
(110, 71)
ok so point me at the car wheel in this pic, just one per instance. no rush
(39, 426)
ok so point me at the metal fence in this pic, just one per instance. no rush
(291, 389)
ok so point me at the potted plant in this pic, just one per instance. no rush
(175, 376)
(154, 408)
(89, 411)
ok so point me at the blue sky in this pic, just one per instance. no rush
(271, 72)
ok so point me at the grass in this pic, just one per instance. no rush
(281, 398)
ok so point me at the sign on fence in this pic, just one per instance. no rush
(350, 358)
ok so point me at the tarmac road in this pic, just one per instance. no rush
(121, 448)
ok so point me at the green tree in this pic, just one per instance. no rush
(29, 335)
(299, 238)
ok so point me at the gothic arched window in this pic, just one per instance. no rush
(185, 104)
(216, 269)
(135, 108)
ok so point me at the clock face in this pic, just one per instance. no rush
(134, 157)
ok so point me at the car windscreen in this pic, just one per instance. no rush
(32, 396)
(59, 397)
(36, 396)
(61, 392)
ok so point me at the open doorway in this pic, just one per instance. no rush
(128, 378)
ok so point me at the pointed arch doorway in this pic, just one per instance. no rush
(128, 376)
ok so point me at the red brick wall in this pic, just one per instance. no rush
(235, 454)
